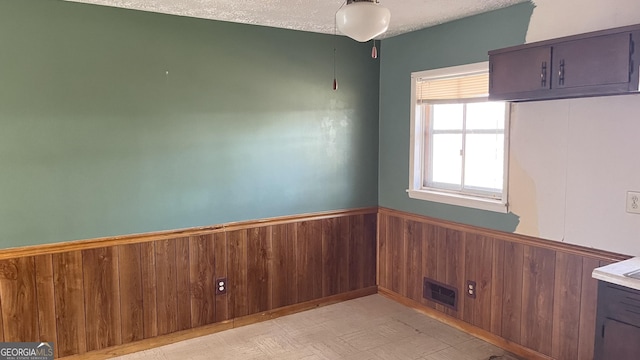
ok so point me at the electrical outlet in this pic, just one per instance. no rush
(221, 286)
(633, 202)
(471, 289)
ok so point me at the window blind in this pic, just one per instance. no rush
(450, 88)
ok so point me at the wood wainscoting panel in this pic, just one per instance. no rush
(29, 313)
(335, 256)
(284, 268)
(391, 255)
(91, 299)
(343, 240)
(17, 276)
(451, 266)
(221, 257)
(131, 292)
(237, 292)
(588, 306)
(202, 273)
(368, 247)
(101, 297)
(331, 257)
(413, 270)
(512, 291)
(538, 281)
(45, 294)
(478, 267)
(309, 260)
(258, 263)
(149, 295)
(166, 286)
(497, 288)
(530, 293)
(356, 261)
(183, 295)
(69, 303)
(442, 261)
(383, 250)
(429, 260)
(398, 258)
(566, 306)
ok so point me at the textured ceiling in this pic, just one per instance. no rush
(312, 15)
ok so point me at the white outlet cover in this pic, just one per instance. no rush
(633, 202)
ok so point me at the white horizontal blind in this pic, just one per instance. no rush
(466, 86)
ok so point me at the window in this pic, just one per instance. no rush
(459, 139)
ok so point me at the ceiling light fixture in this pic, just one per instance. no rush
(363, 20)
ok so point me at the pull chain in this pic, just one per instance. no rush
(374, 50)
(335, 34)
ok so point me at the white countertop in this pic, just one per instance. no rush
(614, 273)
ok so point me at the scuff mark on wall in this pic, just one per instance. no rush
(538, 167)
(523, 188)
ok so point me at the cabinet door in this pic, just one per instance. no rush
(517, 73)
(621, 341)
(596, 61)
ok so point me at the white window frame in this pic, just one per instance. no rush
(418, 143)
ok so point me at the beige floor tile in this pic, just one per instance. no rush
(416, 346)
(369, 328)
(365, 339)
(350, 324)
(445, 333)
(303, 354)
(334, 349)
(394, 330)
(309, 335)
(449, 353)
(374, 307)
(363, 355)
(414, 319)
(478, 349)
(275, 344)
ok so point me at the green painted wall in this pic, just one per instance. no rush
(454, 43)
(97, 139)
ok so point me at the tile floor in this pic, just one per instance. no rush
(371, 327)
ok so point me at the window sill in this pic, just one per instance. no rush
(459, 200)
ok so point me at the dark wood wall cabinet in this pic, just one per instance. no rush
(593, 64)
(617, 323)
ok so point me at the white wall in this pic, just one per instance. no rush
(556, 18)
(572, 161)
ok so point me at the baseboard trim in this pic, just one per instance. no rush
(487, 336)
(167, 339)
(153, 342)
(292, 309)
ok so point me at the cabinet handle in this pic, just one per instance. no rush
(561, 73)
(490, 74)
(543, 75)
(631, 51)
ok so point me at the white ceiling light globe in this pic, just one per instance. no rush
(363, 20)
